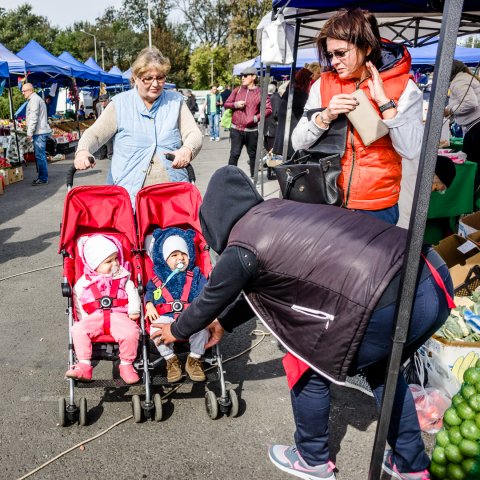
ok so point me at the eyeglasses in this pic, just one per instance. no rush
(337, 54)
(27, 90)
(150, 80)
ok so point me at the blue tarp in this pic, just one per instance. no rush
(80, 70)
(427, 55)
(107, 78)
(16, 65)
(4, 73)
(394, 6)
(116, 71)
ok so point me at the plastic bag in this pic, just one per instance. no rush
(430, 402)
(226, 120)
(278, 38)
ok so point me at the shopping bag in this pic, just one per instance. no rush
(226, 120)
(278, 39)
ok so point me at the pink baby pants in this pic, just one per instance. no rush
(124, 331)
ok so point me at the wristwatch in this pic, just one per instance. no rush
(387, 106)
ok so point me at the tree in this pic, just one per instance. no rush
(19, 26)
(207, 20)
(201, 66)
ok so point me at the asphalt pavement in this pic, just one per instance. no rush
(187, 444)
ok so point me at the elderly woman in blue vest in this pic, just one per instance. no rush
(145, 122)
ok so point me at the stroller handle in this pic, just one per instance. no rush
(189, 168)
(71, 172)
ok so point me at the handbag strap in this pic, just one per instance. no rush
(291, 179)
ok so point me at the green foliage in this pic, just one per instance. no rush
(201, 66)
(4, 102)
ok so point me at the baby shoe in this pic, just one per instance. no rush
(194, 368)
(81, 372)
(174, 370)
(128, 374)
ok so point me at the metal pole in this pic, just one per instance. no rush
(149, 25)
(95, 47)
(103, 62)
(211, 70)
(288, 118)
(450, 22)
(261, 127)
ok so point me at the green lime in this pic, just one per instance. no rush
(467, 391)
(465, 411)
(474, 402)
(442, 438)
(451, 417)
(455, 435)
(472, 375)
(477, 387)
(477, 420)
(455, 472)
(469, 448)
(468, 465)
(469, 430)
(438, 456)
(457, 399)
(453, 453)
(478, 363)
(438, 471)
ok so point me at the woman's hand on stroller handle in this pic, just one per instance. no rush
(180, 158)
(83, 160)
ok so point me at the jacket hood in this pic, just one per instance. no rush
(396, 60)
(230, 195)
(87, 270)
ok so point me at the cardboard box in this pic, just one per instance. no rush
(469, 224)
(2, 184)
(14, 174)
(4, 174)
(460, 255)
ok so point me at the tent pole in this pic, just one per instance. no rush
(288, 118)
(265, 79)
(450, 22)
(12, 116)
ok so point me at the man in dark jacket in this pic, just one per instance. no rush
(271, 123)
(245, 103)
(324, 280)
(191, 102)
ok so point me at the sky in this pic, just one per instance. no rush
(64, 13)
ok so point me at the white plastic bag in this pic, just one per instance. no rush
(278, 38)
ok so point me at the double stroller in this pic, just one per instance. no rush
(107, 210)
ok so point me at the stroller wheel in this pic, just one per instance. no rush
(211, 404)
(62, 412)
(82, 414)
(136, 408)
(157, 401)
(234, 405)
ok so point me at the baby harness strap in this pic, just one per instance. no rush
(105, 302)
(171, 305)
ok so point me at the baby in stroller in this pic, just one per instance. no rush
(176, 277)
(104, 279)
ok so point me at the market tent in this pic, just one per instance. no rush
(80, 70)
(427, 55)
(116, 71)
(4, 72)
(128, 75)
(16, 65)
(43, 66)
(107, 78)
(240, 67)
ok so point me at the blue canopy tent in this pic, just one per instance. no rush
(128, 75)
(4, 72)
(107, 78)
(116, 71)
(16, 65)
(79, 70)
(43, 67)
(415, 23)
(427, 55)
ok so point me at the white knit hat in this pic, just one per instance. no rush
(172, 244)
(96, 249)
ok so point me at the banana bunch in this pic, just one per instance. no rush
(464, 363)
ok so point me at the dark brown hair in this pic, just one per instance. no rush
(302, 79)
(356, 26)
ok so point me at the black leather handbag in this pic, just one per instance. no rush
(310, 176)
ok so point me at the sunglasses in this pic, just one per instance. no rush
(337, 54)
(150, 80)
(247, 75)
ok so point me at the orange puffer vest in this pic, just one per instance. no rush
(371, 175)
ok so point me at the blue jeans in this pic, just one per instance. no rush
(214, 122)
(311, 395)
(389, 215)
(39, 146)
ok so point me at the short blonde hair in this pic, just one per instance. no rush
(148, 58)
(314, 67)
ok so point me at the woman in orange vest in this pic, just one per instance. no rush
(350, 43)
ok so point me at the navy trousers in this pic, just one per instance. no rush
(311, 395)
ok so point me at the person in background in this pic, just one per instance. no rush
(271, 123)
(192, 102)
(301, 86)
(81, 112)
(245, 103)
(165, 123)
(103, 101)
(316, 70)
(38, 131)
(224, 93)
(464, 106)
(350, 43)
(214, 109)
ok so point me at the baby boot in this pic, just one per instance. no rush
(81, 372)
(174, 369)
(194, 368)
(129, 374)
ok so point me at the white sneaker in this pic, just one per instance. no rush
(217, 139)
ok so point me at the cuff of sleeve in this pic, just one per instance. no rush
(313, 127)
(397, 121)
(176, 333)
